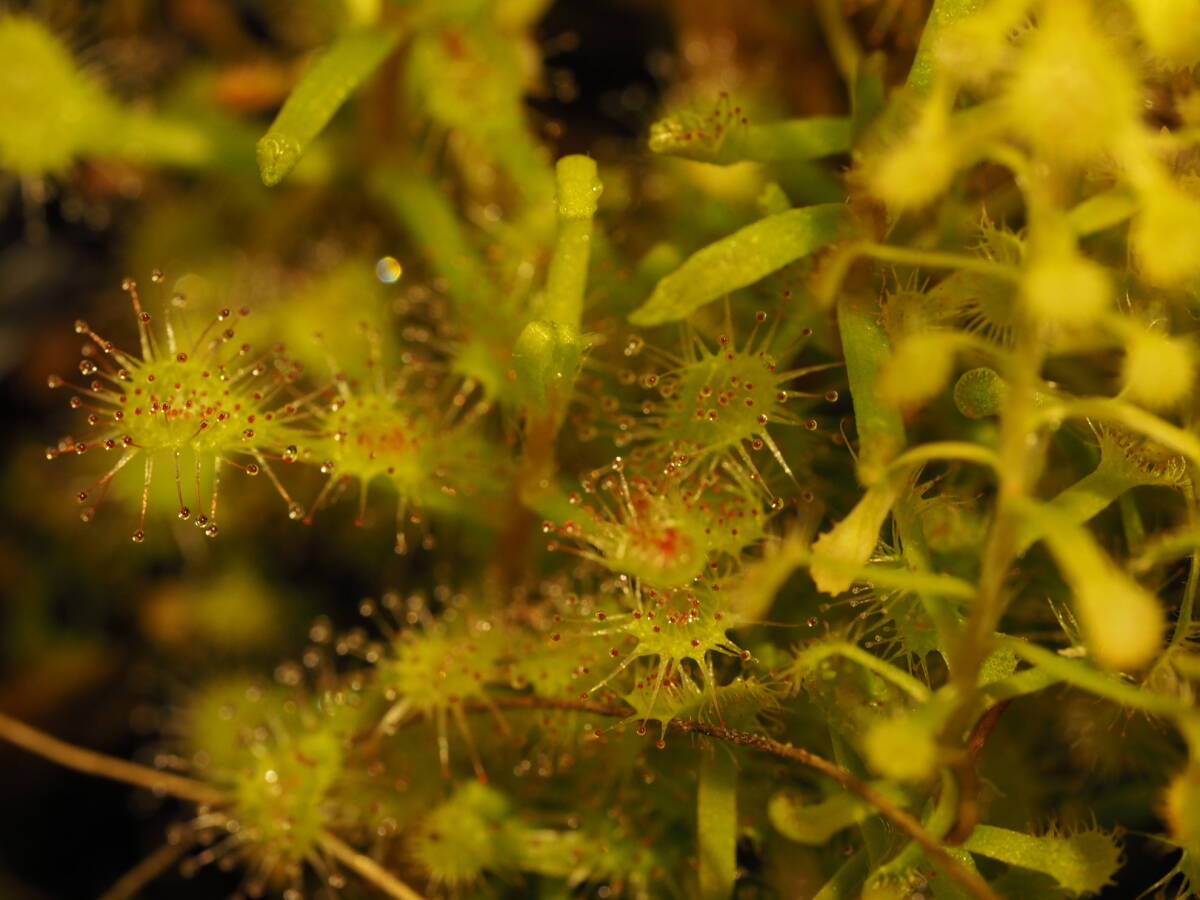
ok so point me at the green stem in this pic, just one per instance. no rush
(578, 191)
(840, 38)
(1080, 502)
(1019, 459)
(814, 656)
(830, 280)
(716, 823)
(874, 832)
(940, 610)
(1095, 681)
(549, 350)
(1187, 606)
(846, 882)
(900, 578)
(940, 821)
(937, 451)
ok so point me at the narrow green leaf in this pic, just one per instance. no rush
(846, 883)
(943, 14)
(322, 90)
(1082, 863)
(1101, 211)
(866, 349)
(1167, 547)
(816, 823)
(723, 138)
(742, 258)
(716, 824)
(868, 98)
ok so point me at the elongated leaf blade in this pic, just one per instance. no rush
(322, 90)
(743, 258)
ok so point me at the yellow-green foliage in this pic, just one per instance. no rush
(52, 110)
(851, 454)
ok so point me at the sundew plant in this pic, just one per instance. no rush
(503, 449)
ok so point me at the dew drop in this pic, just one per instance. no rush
(295, 512)
(138, 536)
(388, 269)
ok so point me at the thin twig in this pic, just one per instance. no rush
(367, 868)
(132, 882)
(92, 763)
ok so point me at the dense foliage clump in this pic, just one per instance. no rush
(784, 505)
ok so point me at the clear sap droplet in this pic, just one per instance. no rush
(388, 269)
(295, 512)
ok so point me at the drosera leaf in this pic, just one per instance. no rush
(742, 258)
(1101, 211)
(925, 66)
(322, 90)
(868, 97)
(815, 823)
(1082, 863)
(732, 140)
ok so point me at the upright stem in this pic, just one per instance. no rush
(716, 823)
(1187, 606)
(549, 349)
(578, 192)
